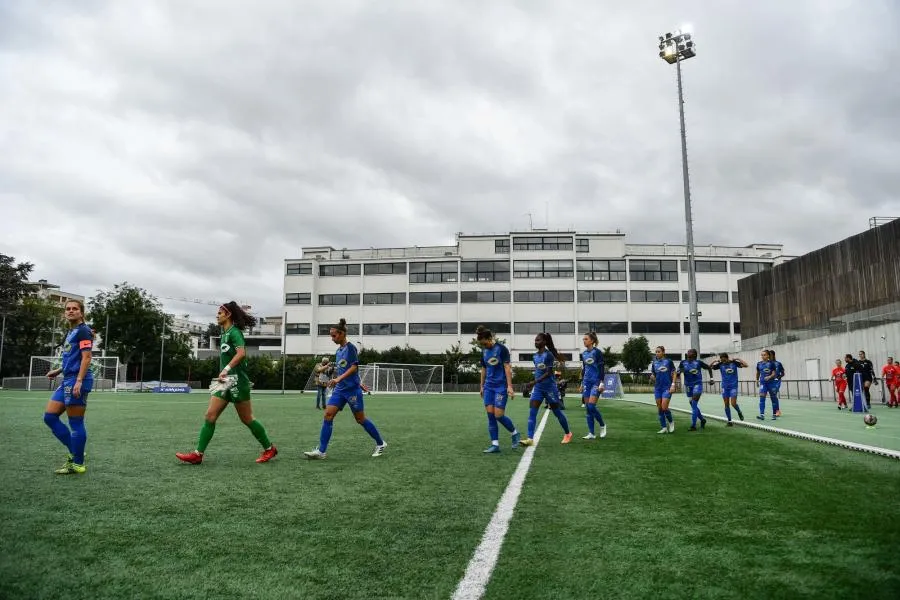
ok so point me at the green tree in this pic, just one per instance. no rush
(610, 359)
(13, 283)
(137, 323)
(636, 355)
(35, 328)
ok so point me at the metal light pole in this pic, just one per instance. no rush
(162, 350)
(675, 48)
(106, 334)
(2, 339)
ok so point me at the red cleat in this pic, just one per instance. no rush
(192, 458)
(268, 454)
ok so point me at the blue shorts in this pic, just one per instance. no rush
(693, 390)
(590, 389)
(550, 394)
(64, 392)
(352, 397)
(775, 385)
(496, 397)
(730, 392)
(764, 387)
(662, 392)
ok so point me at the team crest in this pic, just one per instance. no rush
(67, 348)
(663, 369)
(342, 363)
(493, 361)
(729, 371)
(541, 366)
(225, 347)
(589, 361)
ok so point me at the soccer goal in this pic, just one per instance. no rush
(109, 374)
(390, 377)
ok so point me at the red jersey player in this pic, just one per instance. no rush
(839, 377)
(891, 375)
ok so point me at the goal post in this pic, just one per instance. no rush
(403, 378)
(109, 374)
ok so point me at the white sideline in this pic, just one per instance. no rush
(478, 573)
(796, 434)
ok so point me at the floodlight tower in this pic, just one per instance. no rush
(674, 48)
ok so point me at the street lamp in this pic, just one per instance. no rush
(675, 48)
(162, 350)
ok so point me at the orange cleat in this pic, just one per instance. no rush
(268, 454)
(567, 438)
(192, 458)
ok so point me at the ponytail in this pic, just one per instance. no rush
(239, 317)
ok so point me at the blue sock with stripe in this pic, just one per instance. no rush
(662, 417)
(79, 439)
(59, 429)
(532, 420)
(596, 412)
(589, 418)
(507, 423)
(728, 412)
(370, 428)
(561, 417)
(325, 435)
(493, 430)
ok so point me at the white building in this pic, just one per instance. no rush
(50, 291)
(517, 284)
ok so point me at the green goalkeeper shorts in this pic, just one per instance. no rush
(237, 393)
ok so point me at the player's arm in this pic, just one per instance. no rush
(85, 345)
(653, 372)
(740, 362)
(507, 368)
(350, 371)
(703, 365)
(239, 354)
(483, 374)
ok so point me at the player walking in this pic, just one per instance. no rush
(544, 387)
(592, 384)
(692, 369)
(662, 374)
(839, 379)
(728, 368)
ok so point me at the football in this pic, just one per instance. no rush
(870, 419)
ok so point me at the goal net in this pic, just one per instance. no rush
(109, 374)
(390, 377)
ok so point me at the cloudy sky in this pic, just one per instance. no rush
(190, 147)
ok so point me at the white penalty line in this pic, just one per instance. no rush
(795, 434)
(478, 573)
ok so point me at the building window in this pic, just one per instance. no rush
(433, 272)
(604, 327)
(485, 297)
(432, 298)
(298, 269)
(385, 298)
(433, 329)
(325, 328)
(707, 327)
(297, 299)
(582, 245)
(338, 299)
(545, 296)
(706, 297)
(653, 270)
(654, 296)
(529, 357)
(734, 298)
(749, 267)
(484, 270)
(542, 269)
(602, 296)
(397, 268)
(384, 328)
(494, 327)
(600, 270)
(338, 270)
(501, 246)
(552, 327)
(737, 328)
(542, 243)
(645, 327)
(296, 329)
(706, 266)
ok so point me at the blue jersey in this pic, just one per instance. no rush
(764, 368)
(543, 364)
(729, 371)
(693, 371)
(592, 365)
(345, 357)
(663, 369)
(78, 340)
(493, 360)
(779, 369)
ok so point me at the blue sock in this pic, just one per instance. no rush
(728, 412)
(532, 420)
(662, 417)
(762, 405)
(596, 411)
(694, 411)
(775, 402)
(669, 416)
(59, 429)
(493, 431)
(589, 417)
(325, 434)
(370, 428)
(507, 423)
(79, 439)
(697, 408)
(561, 417)
(738, 409)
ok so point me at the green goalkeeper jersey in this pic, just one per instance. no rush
(231, 340)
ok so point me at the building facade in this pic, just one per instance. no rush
(517, 284)
(50, 291)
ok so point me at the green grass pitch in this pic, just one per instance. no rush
(723, 513)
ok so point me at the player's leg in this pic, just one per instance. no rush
(557, 409)
(357, 407)
(763, 393)
(666, 398)
(76, 405)
(893, 390)
(335, 403)
(217, 403)
(55, 407)
(534, 407)
(493, 429)
(660, 412)
(244, 409)
(594, 411)
(734, 404)
(727, 401)
(866, 385)
(500, 400)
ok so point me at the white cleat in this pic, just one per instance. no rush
(671, 427)
(663, 430)
(590, 436)
(379, 450)
(603, 432)
(315, 455)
